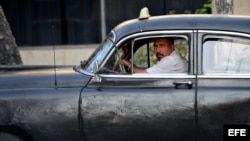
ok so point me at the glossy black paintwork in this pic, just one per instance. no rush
(40, 78)
(139, 110)
(179, 22)
(128, 107)
(31, 101)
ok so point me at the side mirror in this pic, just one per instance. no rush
(96, 76)
(96, 67)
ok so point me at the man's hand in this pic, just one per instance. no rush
(126, 62)
(135, 69)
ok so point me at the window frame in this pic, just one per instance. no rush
(205, 35)
(187, 34)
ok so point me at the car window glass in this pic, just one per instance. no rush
(114, 64)
(226, 55)
(98, 55)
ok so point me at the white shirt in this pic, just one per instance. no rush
(173, 63)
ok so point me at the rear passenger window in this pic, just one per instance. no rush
(226, 55)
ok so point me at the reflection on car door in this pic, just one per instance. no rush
(140, 107)
(223, 83)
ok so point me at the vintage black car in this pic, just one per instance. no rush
(101, 100)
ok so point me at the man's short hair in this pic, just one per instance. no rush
(170, 39)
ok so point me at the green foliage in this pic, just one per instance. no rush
(206, 9)
(181, 46)
(141, 56)
(171, 12)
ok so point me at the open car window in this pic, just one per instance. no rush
(140, 51)
(144, 56)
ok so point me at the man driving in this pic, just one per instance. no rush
(169, 60)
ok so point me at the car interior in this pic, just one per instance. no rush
(143, 54)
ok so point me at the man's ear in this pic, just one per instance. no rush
(172, 46)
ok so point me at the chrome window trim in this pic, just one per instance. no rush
(158, 76)
(156, 36)
(229, 76)
(152, 35)
(226, 74)
(113, 33)
(224, 32)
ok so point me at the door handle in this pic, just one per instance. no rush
(183, 84)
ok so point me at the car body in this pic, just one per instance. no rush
(101, 100)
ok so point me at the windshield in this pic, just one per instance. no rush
(100, 53)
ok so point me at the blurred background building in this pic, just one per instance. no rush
(76, 27)
(33, 22)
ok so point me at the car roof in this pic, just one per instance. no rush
(184, 21)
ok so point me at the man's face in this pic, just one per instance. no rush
(162, 48)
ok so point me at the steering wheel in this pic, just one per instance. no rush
(119, 67)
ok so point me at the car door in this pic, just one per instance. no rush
(223, 82)
(128, 106)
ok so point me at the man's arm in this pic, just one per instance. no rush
(139, 70)
(135, 68)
